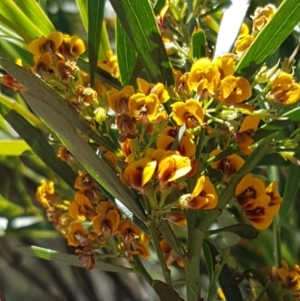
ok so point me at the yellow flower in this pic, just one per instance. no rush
(251, 189)
(290, 277)
(186, 146)
(138, 173)
(284, 90)
(262, 16)
(234, 90)
(84, 182)
(189, 113)
(107, 221)
(81, 208)
(244, 30)
(246, 131)
(229, 165)
(242, 44)
(260, 215)
(225, 64)
(143, 108)
(45, 193)
(43, 65)
(204, 77)
(158, 89)
(182, 85)
(204, 195)
(85, 96)
(110, 64)
(172, 167)
(118, 100)
(136, 241)
(170, 255)
(71, 47)
(126, 126)
(276, 199)
(78, 235)
(42, 44)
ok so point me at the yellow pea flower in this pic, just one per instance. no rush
(45, 193)
(246, 131)
(71, 47)
(225, 64)
(275, 197)
(118, 100)
(81, 209)
(106, 222)
(234, 90)
(158, 89)
(78, 235)
(143, 108)
(186, 146)
(204, 195)
(42, 44)
(263, 15)
(204, 77)
(173, 167)
(250, 192)
(284, 90)
(138, 173)
(189, 113)
(229, 165)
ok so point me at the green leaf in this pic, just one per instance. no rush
(125, 53)
(270, 37)
(230, 290)
(81, 4)
(40, 146)
(242, 230)
(165, 292)
(290, 190)
(9, 209)
(95, 11)
(63, 119)
(139, 23)
(13, 147)
(70, 259)
(35, 13)
(198, 44)
(208, 261)
(13, 17)
(169, 235)
(232, 20)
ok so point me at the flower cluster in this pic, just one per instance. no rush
(91, 222)
(170, 143)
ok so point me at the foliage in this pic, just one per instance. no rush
(181, 148)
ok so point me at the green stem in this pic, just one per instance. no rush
(192, 261)
(155, 239)
(13, 105)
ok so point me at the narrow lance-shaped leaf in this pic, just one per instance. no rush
(290, 190)
(95, 11)
(126, 54)
(271, 37)
(139, 23)
(69, 259)
(40, 146)
(35, 13)
(14, 18)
